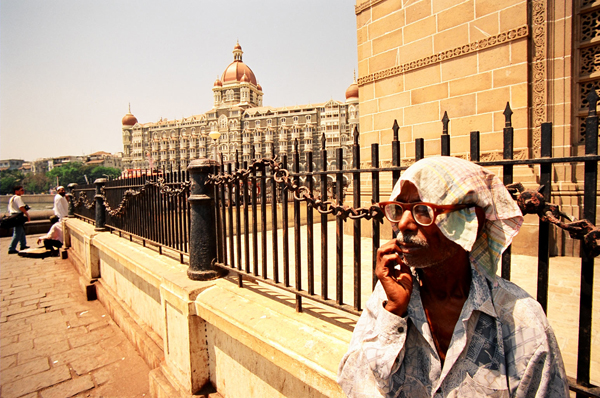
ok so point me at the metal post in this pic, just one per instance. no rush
(100, 208)
(203, 234)
(71, 187)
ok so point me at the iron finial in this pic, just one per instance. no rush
(395, 128)
(445, 121)
(508, 115)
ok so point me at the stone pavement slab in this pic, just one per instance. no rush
(55, 343)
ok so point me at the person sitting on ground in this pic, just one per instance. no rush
(61, 206)
(16, 206)
(440, 322)
(53, 240)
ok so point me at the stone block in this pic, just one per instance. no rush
(513, 17)
(484, 7)
(15, 348)
(484, 27)
(491, 141)
(363, 18)
(519, 95)
(385, 25)
(455, 15)
(418, 10)
(385, 120)
(494, 58)
(369, 107)
(460, 67)
(416, 50)
(386, 8)
(432, 147)
(422, 77)
(422, 113)
(420, 29)
(426, 130)
(513, 74)
(460, 144)
(364, 50)
(389, 40)
(383, 61)
(451, 38)
(481, 123)
(493, 100)
(366, 92)
(69, 388)
(33, 383)
(394, 102)
(465, 105)
(29, 368)
(429, 93)
(470, 84)
(385, 87)
(363, 67)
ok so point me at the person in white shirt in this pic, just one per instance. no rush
(61, 206)
(53, 240)
(16, 206)
(440, 322)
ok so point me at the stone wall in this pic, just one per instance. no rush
(245, 342)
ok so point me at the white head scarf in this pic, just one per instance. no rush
(445, 180)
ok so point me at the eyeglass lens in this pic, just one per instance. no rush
(423, 214)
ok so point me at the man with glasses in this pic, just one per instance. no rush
(440, 322)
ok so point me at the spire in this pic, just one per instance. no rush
(237, 52)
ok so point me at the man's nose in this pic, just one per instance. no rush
(407, 222)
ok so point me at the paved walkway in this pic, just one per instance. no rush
(55, 343)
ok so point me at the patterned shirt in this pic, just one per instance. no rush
(502, 346)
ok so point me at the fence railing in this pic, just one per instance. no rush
(248, 207)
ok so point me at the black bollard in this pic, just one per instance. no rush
(100, 208)
(203, 231)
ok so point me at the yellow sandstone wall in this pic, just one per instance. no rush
(418, 59)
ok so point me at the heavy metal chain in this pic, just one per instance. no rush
(120, 210)
(82, 199)
(301, 193)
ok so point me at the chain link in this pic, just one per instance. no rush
(301, 193)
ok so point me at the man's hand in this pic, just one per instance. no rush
(397, 283)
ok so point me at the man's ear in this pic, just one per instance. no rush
(480, 219)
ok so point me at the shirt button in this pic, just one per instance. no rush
(400, 329)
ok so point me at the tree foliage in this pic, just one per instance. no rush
(36, 183)
(61, 175)
(9, 179)
(75, 172)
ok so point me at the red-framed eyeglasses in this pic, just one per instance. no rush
(423, 213)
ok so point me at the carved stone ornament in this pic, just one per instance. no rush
(488, 42)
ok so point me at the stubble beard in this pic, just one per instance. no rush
(425, 258)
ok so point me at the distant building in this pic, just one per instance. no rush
(59, 161)
(104, 159)
(26, 168)
(239, 122)
(11, 164)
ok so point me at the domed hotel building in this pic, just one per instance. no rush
(239, 122)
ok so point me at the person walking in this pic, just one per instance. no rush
(16, 206)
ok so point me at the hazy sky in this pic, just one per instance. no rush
(69, 68)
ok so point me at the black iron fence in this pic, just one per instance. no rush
(306, 252)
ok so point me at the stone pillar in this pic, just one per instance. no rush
(203, 231)
(100, 208)
(69, 195)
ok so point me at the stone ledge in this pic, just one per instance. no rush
(306, 347)
(149, 347)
